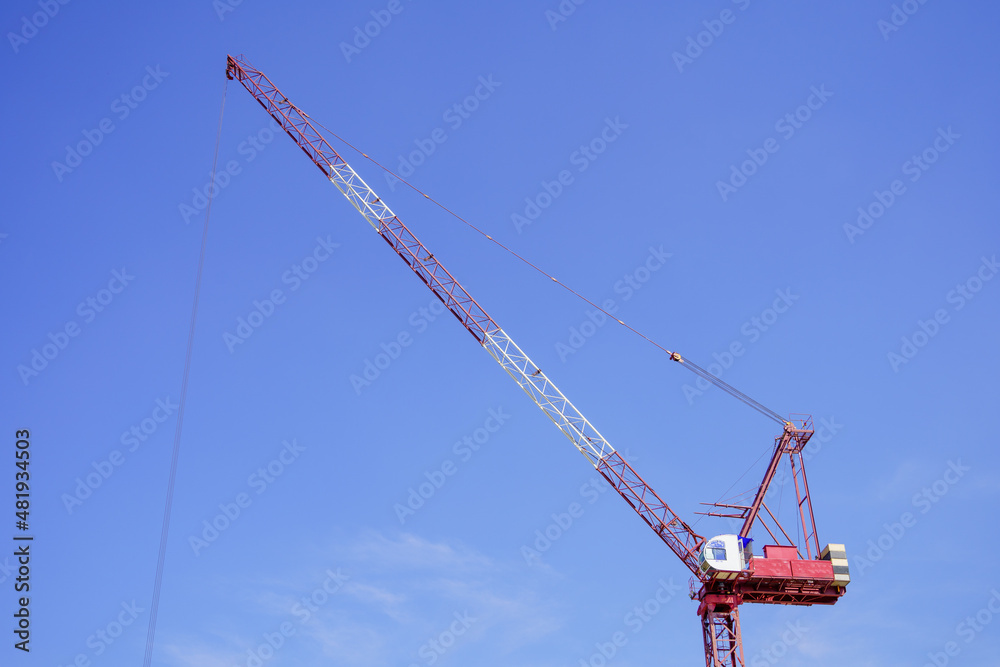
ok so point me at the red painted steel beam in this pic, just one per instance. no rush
(298, 126)
(677, 535)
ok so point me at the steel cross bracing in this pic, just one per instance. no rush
(723, 646)
(654, 511)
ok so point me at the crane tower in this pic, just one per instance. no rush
(725, 571)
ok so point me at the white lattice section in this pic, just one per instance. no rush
(359, 194)
(531, 379)
(547, 396)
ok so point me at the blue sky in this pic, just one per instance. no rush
(812, 184)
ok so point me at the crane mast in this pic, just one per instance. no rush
(720, 593)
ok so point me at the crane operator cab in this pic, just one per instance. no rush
(725, 556)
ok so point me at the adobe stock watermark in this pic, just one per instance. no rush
(264, 309)
(581, 158)
(133, 438)
(464, 448)
(697, 43)
(223, 7)
(635, 620)
(363, 35)
(752, 331)
(924, 500)
(373, 367)
(30, 25)
(562, 12)
(122, 106)
(7, 569)
(971, 627)
(259, 481)
(454, 117)
(562, 522)
(104, 637)
(898, 17)
(249, 148)
(913, 168)
(303, 611)
(310, 604)
(786, 126)
(627, 286)
(435, 647)
(545, 537)
(958, 297)
(88, 310)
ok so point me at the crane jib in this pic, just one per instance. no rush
(678, 536)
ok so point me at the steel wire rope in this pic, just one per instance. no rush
(174, 455)
(696, 369)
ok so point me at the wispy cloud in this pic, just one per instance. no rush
(414, 553)
(399, 592)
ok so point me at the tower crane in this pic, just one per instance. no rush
(726, 572)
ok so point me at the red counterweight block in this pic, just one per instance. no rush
(781, 552)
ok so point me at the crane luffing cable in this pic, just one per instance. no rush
(676, 356)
